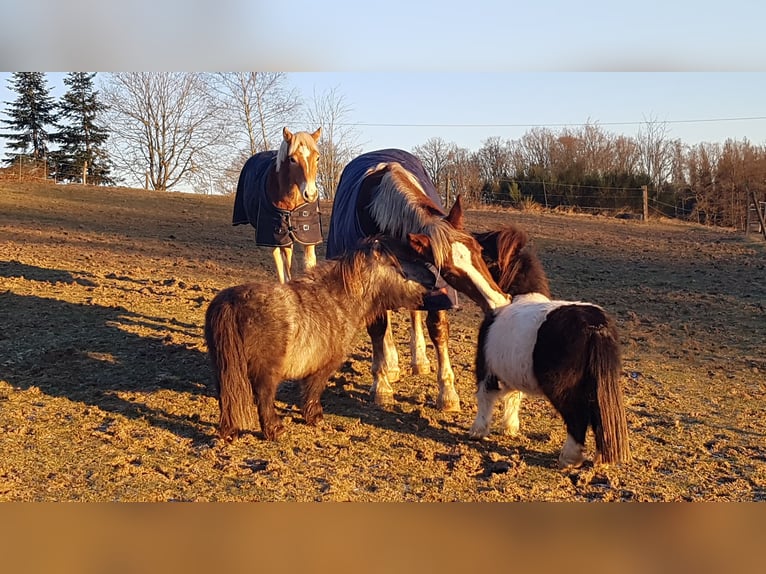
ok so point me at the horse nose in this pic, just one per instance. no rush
(310, 191)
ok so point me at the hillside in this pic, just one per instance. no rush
(105, 387)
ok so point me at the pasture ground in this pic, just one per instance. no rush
(105, 390)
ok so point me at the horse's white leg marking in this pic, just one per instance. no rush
(461, 258)
(385, 367)
(288, 254)
(390, 355)
(448, 399)
(486, 403)
(511, 405)
(309, 256)
(572, 455)
(279, 263)
(419, 360)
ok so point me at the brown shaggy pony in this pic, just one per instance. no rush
(262, 333)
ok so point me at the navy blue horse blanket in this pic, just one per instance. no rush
(349, 222)
(274, 227)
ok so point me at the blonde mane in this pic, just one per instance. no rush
(401, 206)
(298, 140)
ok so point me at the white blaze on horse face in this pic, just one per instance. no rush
(308, 187)
(461, 259)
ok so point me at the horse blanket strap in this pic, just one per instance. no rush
(346, 230)
(274, 227)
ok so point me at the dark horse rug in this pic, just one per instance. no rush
(274, 227)
(350, 221)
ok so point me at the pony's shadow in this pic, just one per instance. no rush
(11, 269)
(80, 352)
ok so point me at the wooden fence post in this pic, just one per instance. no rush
(761, 216)
(645, 193)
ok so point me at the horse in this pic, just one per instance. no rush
(277, 195)
(389, 192)
(568, 351)
(261, 333)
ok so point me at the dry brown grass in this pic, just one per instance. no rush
(105, 394)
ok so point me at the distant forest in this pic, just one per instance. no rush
(193, 132)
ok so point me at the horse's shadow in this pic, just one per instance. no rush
(80, 352)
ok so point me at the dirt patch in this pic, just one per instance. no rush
(105, 387)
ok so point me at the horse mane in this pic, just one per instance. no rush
(289, 148)
(514, 264)
(401, 206)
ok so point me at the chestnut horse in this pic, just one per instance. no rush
(277, 194)
(568, 351)
(262, 333)
(389, 192)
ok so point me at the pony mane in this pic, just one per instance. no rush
(514, 263)
(289, 148)
(401, 206)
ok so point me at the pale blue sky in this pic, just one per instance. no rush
(467, 108)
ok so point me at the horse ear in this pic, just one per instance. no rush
(287, 134)
(455, 216)
(421, 244)
(317, 134)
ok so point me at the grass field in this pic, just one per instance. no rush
(105, 389)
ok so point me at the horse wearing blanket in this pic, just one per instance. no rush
(277, 194)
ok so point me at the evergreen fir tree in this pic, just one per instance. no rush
(82, 156)
(31, 115)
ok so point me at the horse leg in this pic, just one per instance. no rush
(279, 262)
(265, 393)
(572, 405)
(511, 405)
(311, 392)
(438, 329)
(287, 253)
(309, 256)
(383, 358)
(485, 401)
(419, 361)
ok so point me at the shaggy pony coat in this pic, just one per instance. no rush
(262, 333)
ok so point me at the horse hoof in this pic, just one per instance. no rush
(477, 434)
(274, 432)
(421, 369)
(448, 406)
(314, 419)
(383, 399)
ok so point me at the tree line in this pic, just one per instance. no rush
(195, 130)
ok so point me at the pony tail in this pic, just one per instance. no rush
(607, 411)
(233, 388)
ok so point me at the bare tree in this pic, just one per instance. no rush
(436, 155)
(337, 145)
(465, 175)
(259, 105)
(165, 127)
(655, 151)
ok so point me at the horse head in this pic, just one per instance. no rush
(461, 264)
(296, 166)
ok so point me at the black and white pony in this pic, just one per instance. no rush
(389, 192)
(568, 351)
(262, 333)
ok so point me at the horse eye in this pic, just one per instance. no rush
(293, 160)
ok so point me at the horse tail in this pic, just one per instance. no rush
(226, 349)
(607, 412)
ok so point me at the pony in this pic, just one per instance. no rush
(277, 195)
(568, 351)
(388, 192)
(259, 334)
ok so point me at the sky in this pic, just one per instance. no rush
(460, 71)
(405, 109)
